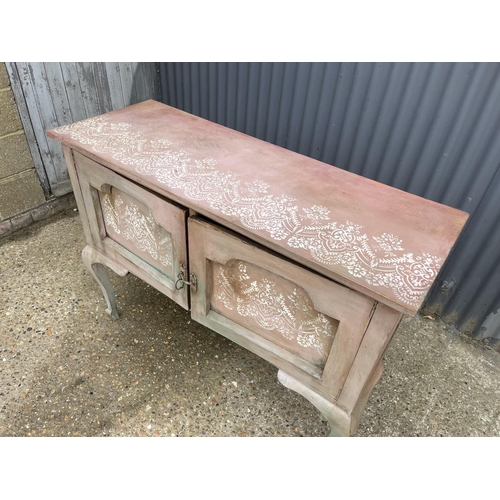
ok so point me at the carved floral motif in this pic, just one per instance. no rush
(378, 260)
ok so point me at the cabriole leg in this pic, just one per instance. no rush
(94, 262)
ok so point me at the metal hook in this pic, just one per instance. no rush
(181, 278)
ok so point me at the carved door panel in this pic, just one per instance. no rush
(303, 323)
(135, 227)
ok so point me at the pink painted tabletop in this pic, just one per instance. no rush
(379, 240)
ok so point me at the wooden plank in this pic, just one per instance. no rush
(61, 188)
(359, 407)
(139, 81)
(88, 89)
(62, 110)
(57, 92)
(71, 79)
(352, 327)
(127, 79)
(48, 116)
(42, 116)
(29, 132)
(115, 85)
(102, 86)
(54, 94)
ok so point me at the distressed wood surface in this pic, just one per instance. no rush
(115, 85)
(42, 115)
(52, 94)
(381, 241)
(71, 83)
(57, 90)
(380, 331)
(364, 396)
(77, 191)
(338, 420)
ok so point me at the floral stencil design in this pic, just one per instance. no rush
(388, 243)
(378, 260)
(274, 305)
(126, 219)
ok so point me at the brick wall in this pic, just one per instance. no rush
(20, 188)
(21, 196)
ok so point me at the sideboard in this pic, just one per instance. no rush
(306, 265)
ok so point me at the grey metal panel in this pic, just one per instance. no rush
(432, 129)
(475, 270)
(49, 95)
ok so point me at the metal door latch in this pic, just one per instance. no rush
(181, 280)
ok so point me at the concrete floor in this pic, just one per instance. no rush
(68, 369)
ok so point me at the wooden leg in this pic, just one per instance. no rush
(338, 420)
(94, 262)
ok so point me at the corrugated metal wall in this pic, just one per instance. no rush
(52, 94)
(432, 129)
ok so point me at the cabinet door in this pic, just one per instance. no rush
(138, 229)
(303, 323)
